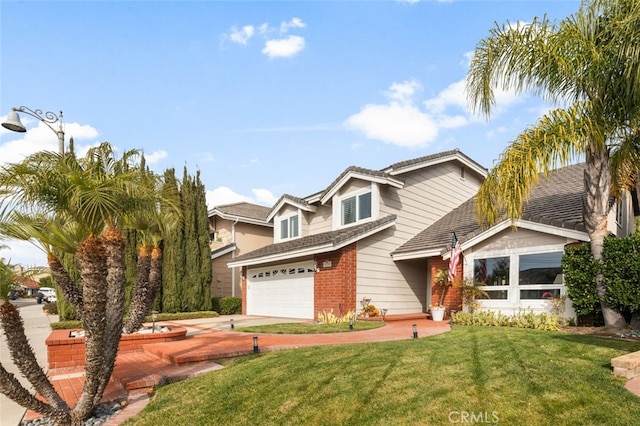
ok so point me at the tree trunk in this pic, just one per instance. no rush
(25, 359)
(139, 307)
(93, 270)
(71, 293)
(597, 185)
(116, 277)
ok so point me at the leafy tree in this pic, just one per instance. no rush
(64, 204)
(589, 62)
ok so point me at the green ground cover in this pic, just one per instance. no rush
(499, 375)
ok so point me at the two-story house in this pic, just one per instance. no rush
(235, 229)
(334, 248)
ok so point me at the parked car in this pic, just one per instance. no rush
(14, 294)
(46, 294)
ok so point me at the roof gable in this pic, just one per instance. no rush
(290, 200)
(433, 159)
(242, 212)
(362, 174)
(555, 207)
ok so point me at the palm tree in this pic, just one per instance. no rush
(78, 206)
(589, 63)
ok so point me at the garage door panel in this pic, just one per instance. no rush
(284, 291)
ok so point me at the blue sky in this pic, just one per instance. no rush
(262, 97)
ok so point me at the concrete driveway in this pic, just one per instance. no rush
(37, 328)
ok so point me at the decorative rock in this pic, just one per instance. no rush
(100, 417)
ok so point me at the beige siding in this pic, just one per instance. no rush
(248, 237)
(320, 221)
(428, 194)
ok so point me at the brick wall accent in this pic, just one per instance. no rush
(64, 351)
(335, 285)
(453, 298)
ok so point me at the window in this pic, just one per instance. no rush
(540, 275)
(356, 208)
(494, 274)
(619, 213)
(289, 228)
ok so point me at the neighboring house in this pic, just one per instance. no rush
(235, 229)
(333, 248)
(520, 267)
(29, 287)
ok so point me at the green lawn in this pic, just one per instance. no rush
(311, 328)
(488, 374)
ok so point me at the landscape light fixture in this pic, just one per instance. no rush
(255, 345)
(415, 331)
(14, 124)
(231, 322)
(154, 318)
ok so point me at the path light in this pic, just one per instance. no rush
(415, 331)
(255, 344)
(351, 322)
(154, 318)
(451, 319)
(231, 322)
(384, 313)
(14, 124)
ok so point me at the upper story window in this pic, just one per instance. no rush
(356, 208)
(289, 227)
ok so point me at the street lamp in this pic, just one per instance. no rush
(14, 124)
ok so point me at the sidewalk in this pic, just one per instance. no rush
(209, 340)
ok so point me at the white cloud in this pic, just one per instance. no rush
(293, 23)
(224, 195)
(404, 92)
(403, 125)
(155, 156)
(242, 35)
(264, 196)
(452, 95)
(284, 48)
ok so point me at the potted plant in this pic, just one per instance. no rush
(440, 279)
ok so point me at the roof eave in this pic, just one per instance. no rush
(357, 175)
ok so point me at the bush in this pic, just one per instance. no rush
(51, 308)
(580, 269)
(621, 270)
(226, 305)
(523, 319)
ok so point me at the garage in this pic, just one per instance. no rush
(284, 291)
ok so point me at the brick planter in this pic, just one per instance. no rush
(64, 351)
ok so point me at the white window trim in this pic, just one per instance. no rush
(336, 205)
(277, 226)
(513, 297)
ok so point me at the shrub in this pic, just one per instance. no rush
(51, 308)
(330, 318)
(580, 269)
(226, 305)
(522, 319)
(621, 271)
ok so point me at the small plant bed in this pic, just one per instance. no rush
(311, 328)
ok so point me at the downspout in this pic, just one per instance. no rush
(233, 255)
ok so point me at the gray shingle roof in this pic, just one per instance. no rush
(555, 201)
(333, 238)
(428, 158)
(243, 209)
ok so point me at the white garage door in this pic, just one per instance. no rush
(284, 291)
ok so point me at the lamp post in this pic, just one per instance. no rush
(154, 318)
(14, 124)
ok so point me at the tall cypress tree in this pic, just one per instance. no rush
(202, 226)
(173, 253)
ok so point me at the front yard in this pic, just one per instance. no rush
(485, 374)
